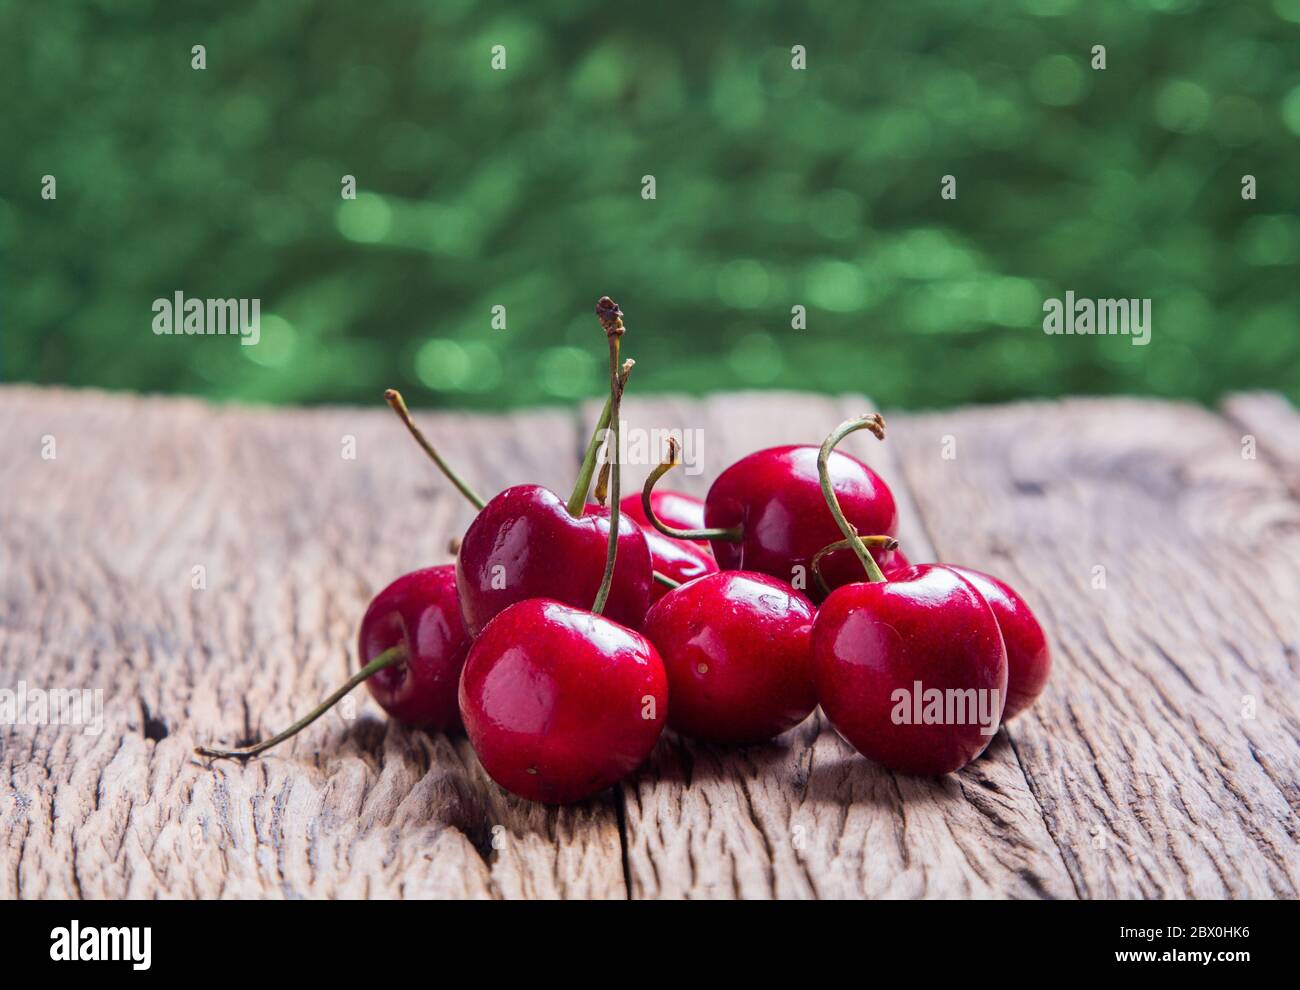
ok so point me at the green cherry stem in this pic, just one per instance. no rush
(611, 319)
(394, 399)
(732, 535)
(391, 657)
(578, 499)
(876, 424)
(815, 565)
(666, 581)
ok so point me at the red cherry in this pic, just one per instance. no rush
(912, 672)
(421, 612)
(768, 512)
(737, 647)
(775, 497)
(676, 560)
(525, 544)
(560, 703)
(1029, 660)
(673, 508)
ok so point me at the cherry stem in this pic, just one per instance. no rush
(578, 500)
(815, 565)
(394, 399)
(391, 657)
(611, 319)
(876, 424)
(732, 535)
(601, 492)
(666, 581)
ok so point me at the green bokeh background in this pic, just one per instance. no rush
(775, 188)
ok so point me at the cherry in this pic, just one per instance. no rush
(912, 672)
(412, 646)
(560, 703)
(674, 561)
(775, 540)
(1029, 660)
(420, 612)
(529, 543)
(737, 647)
(525, 544)
(767, 512)
(677, 561)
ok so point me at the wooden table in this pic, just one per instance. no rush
(1162, 761)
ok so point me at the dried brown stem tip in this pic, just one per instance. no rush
(875, 423)
(610, 316)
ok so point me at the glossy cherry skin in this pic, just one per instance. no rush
(776, 496)
(422, 611)
(674, 508)
(737, 646)
(677, 559)
(873, 642)
(524, 544)
(681, 560)
(1029, 660)
(560, 703)
(893, 561)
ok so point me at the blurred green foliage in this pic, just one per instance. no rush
(775, 188)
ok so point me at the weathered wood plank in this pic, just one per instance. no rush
(1138, 758)
(98, 547)
(1166, 568)
(1270, 428)
(805, 816)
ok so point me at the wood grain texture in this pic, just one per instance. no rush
(805, 816)
(1271, 426)
(1166, 568)
(1138, 773)
(98, 548)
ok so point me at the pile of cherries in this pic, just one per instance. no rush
(569, 633)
